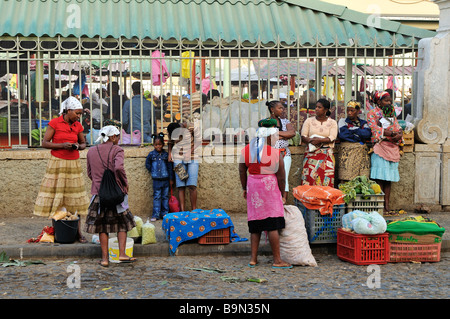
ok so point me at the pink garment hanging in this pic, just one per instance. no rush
(206, 85)
(159, 68)
(85, 90)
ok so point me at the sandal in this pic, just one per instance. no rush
(129, 260)
(82, 239)
(103, 263)
(282, 267)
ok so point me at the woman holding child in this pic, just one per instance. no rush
(387, 136)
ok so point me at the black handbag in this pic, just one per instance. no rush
(110, 193)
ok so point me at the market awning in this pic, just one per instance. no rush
(305, 22)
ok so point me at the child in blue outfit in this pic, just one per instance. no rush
(163, 176)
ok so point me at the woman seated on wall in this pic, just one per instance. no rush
(353, 157)
(319, 133)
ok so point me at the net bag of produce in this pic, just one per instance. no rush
(148, 233)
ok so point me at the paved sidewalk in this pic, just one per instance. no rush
(15, 231)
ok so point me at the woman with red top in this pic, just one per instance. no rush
(263, 189)
(105, 220)
(387, 136)
(63, 184)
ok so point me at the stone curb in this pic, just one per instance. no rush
(89, 250)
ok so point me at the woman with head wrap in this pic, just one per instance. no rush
(105, 220)
(63, 184)
(319, 133)
(387, 137)
(263, 189)
(285, 133)
(353, 158)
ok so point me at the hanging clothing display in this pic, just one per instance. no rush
(186, 64)
(160, 72)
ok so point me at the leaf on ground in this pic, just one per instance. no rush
(258, 280)
(207, 269)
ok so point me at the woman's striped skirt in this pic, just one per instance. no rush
(62, 186)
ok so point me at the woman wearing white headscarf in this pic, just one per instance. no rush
(103, 220)
(63, 184)
(263, 188)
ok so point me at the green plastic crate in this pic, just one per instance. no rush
(3, 125)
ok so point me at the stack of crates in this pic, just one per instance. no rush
(321, 229)
(362, 249)
(367, 203)
(216, 237)
(410, 247)
(408, 138)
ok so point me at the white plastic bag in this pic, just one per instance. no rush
(148, 233)
(294, 244)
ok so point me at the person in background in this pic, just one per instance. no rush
(387, 137)
(285, 133)
(5, 91)
(319, 132)
(104, 220)
(184, 151)
(354, 133)
(263, 188)
(161, 170)
(133, 115)
(63, 183)
(116, 101)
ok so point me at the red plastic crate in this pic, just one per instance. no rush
(216, 237)
(361, 249)
(401, 252)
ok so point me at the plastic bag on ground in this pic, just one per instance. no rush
(136, 231)
(148, 233)
(294, 244)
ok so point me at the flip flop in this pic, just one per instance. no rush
(129, 260)
(82, 239)
(252, 265)
(282, 267)
(103, 263)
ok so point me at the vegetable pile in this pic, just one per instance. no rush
(360, 185)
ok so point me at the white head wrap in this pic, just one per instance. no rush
(266, 131)
(106, 132)
(71, 103)
(283, 96)
(257, 143)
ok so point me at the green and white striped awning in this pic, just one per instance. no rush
(304, 22)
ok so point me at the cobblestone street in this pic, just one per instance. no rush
(219, 277)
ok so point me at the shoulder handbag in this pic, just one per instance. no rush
(110, 193)
(174, 204)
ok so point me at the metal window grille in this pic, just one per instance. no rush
(39, 73)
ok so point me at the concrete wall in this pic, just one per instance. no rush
(218, 186)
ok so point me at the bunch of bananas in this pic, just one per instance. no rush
(38, 134)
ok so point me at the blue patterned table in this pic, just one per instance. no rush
(183, 226)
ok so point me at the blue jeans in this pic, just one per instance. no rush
(160, 198)
(192, 170)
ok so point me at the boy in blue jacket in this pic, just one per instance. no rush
(163, 176)
(354, 132)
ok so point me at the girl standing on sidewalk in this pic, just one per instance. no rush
(161, 170)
